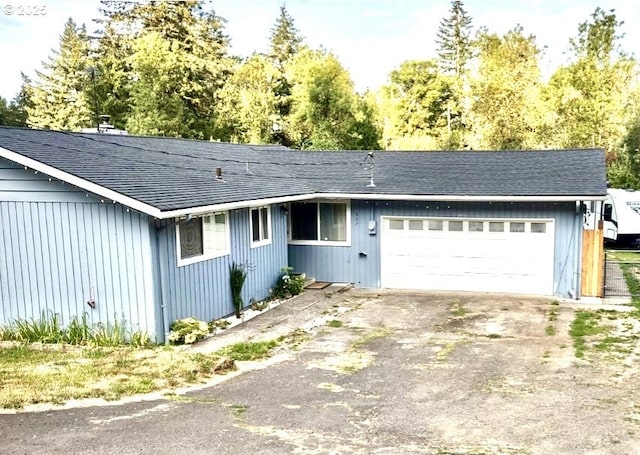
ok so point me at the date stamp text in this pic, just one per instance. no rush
(23, 9)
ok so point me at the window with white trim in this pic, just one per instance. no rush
(202, 238)
(319, 223)
(260, 226)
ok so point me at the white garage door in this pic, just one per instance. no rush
(495, 255)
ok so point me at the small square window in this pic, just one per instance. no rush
(435, 225)
(455, 226)
(476, 226)
(538, 228)
(260, 226)
(496, 226)
(202, 238)
(396, 225)
(416, 225)
(516, 227)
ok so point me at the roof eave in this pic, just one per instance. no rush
(79, 182)
(463, 197)
(162, 214)
(377, 197)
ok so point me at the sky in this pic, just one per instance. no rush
(370, 37)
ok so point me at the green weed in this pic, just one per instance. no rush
(249, 350)
(586, 323)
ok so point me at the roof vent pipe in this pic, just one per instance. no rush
(218, 173)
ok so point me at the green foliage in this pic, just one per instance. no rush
(58, 98)
(110, 334)
(325, 110)
(507, 113)
(188, 331)
(248, 103)
(79, 331)
(12, 113)
(237, 277)
(454, 40)
(48, 329)
(422, 109)
(586, 323)
(249, 350)
(284, 40)
(220, 324)
(592, 97)
(287, 284)
(629, 272)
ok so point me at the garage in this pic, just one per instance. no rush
(487, 255)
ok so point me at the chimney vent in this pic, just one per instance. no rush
(218, 173)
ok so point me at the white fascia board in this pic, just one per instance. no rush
(236, 205)
(369, 196)
(157, 213)
(80, 183)
(456, 198)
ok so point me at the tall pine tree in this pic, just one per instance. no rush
(285, 39)
(59, 96)
(454, 39)
(285, 42)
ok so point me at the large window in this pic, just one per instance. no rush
(202, 238)
(319, 222)
(260, 226)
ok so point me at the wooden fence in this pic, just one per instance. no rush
(592, 263)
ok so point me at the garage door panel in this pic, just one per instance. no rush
(500, 261)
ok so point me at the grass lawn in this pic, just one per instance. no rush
(623, 255)
(32, 374)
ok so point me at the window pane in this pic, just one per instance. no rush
(264, 211)
(516, 227)
(304, 221)
(215, 233)
(191, 238)
(476, 226)
(415, 225)
(455, 226)
(539, 228)
(396, 225)
(496, 226)
(255, 225)
(435, 225)
(333, 222)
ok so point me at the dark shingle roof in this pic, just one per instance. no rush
(172, 174)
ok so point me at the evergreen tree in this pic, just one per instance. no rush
(285, 39)
(111, 84)
(59, 97)
(285, 42)
(454, 39)
(14, 113)
(187, 43)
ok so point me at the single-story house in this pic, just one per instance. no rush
(144, 229)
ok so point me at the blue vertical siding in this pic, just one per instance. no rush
(53, 254)
(360, 263)
(59, 244)
(202, 290)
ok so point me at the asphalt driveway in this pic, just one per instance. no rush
(385, 373)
